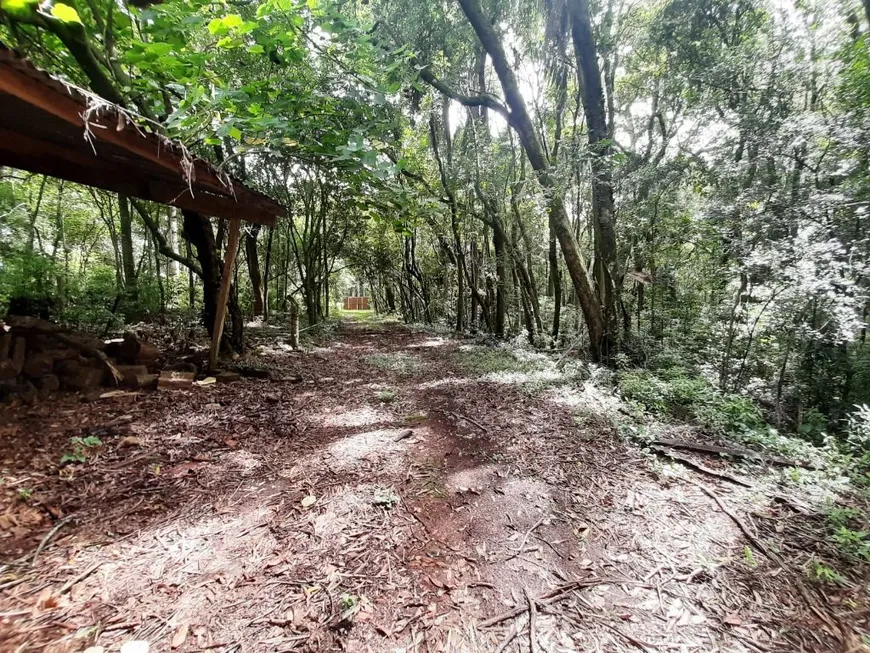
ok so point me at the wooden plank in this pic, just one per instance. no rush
(208, 204)
(69, 107)
(21, 151)
(224, 294)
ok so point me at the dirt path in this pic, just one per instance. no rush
(391, 501)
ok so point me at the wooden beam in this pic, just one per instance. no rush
(70, 105)
(82, 166)
(224, 294)
(208, 204)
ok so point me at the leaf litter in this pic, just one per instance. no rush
(285, 516)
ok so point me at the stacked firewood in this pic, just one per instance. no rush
(38, 358)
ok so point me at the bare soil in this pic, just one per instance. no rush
(277, 515)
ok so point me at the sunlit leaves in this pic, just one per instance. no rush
(18, 6)
(221, 26)
(65, 13)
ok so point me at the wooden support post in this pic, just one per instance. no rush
(224, 294)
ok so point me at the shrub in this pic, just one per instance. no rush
(858, 430)
(674, 392)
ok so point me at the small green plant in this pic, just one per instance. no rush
(80, 449)
(749, 558)
(843, 516)
(348, 601)
(386, 498)
(386, 396)
(25, 494)
(854, 544)
(822, 573)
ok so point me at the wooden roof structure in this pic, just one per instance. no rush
(50, 127)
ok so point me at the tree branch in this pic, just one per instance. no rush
(162, 245)
(487, 101)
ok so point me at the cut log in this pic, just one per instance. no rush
(25, 392)
(170, 379)
(19, 353)
(227, 377)
(113, 347)
(86, 345)
(129, 375)
(7, 370)
(66, 367)
(5, 342)
(147, 381)
(81, 379)
(38, 364)
(737, 452)
(48, 384)
(134, 350)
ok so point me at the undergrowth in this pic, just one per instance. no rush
(531, 370)
(673, 392)
(398, 362)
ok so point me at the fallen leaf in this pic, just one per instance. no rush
(130, 441)
(309, 501)
(207, 381)
(732, 620)
(135, 646)
(179, 636)
(45, 599)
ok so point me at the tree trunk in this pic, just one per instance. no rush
(266, 274)
(589, 77)
(128, 260)
(199, 232)
(191, 280)
(172, 241)
(254, 268)
(520, 120)
(390, 296)
(498, 244)
(454, 218)
(31, 233)
(555, 283)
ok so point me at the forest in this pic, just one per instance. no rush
(659, 184)
(664, 199)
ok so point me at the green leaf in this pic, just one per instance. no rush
(215, 26)
(17, 6)
(232, 20)
(235, 132)
(256, 49)
(65, 13)
(221, 26)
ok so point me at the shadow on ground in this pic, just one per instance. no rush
(388, 501)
